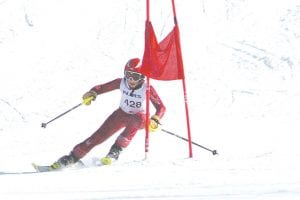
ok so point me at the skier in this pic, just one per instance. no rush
(130, 115)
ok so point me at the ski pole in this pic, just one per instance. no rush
(44, 125)
(214, 152)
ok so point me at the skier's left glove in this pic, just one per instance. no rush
(154, 123)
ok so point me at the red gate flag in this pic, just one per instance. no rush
(162, 61)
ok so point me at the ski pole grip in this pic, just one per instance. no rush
(87, 101)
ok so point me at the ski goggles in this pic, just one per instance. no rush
(133, 76)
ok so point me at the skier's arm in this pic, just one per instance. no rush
(160, 110)
(157, 103)
(107, 87)
(99, 89)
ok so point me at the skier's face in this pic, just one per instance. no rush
(134, 79)
(132, 83)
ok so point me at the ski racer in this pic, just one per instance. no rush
(130, 115)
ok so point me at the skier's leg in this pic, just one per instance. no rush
(111, 125)
(133, 124)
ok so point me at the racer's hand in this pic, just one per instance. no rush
(88, 97)
(154, 123)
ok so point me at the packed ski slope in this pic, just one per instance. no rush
(242, 70)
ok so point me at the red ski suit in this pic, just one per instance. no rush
(117, 120)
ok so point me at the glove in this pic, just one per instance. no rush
(154, 123)
(88, 97)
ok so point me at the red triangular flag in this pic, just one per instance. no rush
(162, 61)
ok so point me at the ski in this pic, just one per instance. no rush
(106, 161)
(92, 162)
(43, 168)
(48, 168)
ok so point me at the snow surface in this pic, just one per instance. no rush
(242, 68)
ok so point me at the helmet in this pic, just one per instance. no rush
(132, 65)
(133, 71)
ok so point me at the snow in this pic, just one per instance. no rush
(242, 68)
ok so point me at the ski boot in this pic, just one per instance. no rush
(63, 162)
(112, 155)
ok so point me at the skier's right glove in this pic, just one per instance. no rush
(88, 97)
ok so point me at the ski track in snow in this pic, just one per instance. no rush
(152, 180)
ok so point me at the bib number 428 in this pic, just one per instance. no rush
(133, 104)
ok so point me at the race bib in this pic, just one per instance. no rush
(132, 101)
